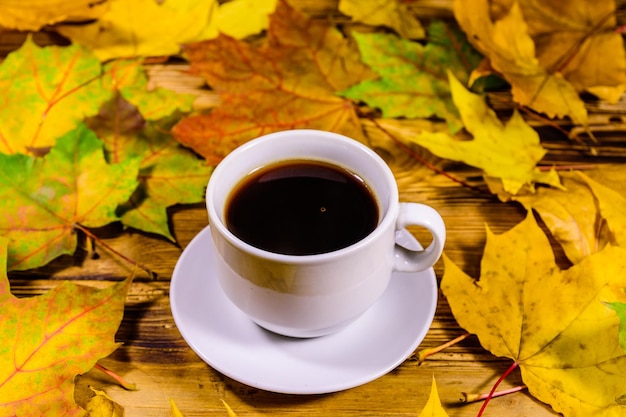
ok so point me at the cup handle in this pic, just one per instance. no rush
(415, 214)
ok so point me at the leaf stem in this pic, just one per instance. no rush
(551, 123)
(546, 121)
(89, 234)
(493, 390)
(424, 353)
(123, 383)
(470, 398)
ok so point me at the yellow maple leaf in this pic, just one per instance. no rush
(433, 407)
(229, 410)
(392, 14)
(612, 206)
(509, 151)
(577, 39)
(242, 18)
(511, 53)
(132, 28)
(553, 323)
(588, 213)
(176, 412)
(618, 304)
(174, 408)
(35, 14)
(102, 405)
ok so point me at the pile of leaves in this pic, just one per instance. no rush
(85, 141)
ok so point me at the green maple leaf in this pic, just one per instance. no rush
(42, 200)
(169, 173)
(61, 86)
(46, 93)
(413, 79)
(49, 339)
(128, 79)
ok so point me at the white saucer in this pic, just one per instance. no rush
(232, 344)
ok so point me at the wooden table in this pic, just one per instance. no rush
(159, 361)
(156, 357)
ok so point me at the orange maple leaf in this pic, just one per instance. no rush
(287, 82)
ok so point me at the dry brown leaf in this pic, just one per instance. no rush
(577, 39)
(287, 82)
(393, 14)
(510, 49)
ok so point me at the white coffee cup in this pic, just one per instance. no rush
(315, 295)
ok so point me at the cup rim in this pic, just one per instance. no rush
(388, 219)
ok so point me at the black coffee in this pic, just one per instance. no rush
(301, 207)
